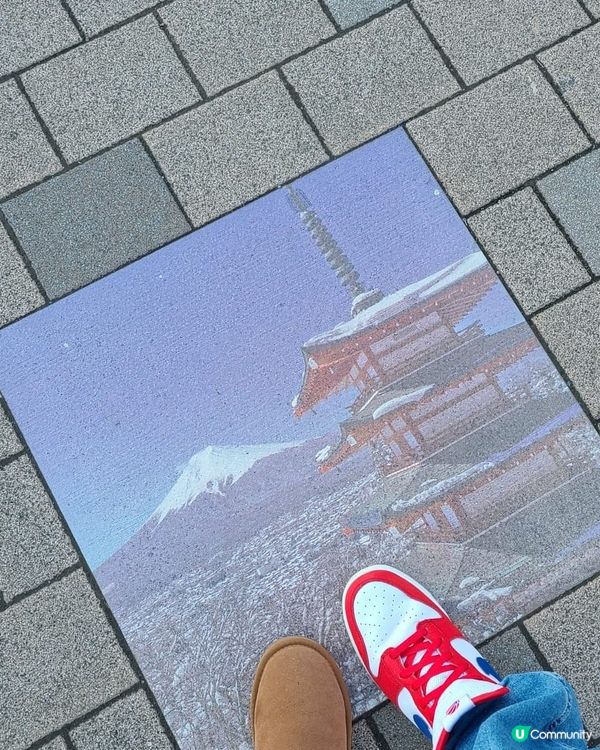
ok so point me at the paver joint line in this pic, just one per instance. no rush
(442, 53)
(182, 58)
(329, 14)
(540, 196)
(304, 112)
(45, 129)
(73, 18)
(558, 91)
(30, 269)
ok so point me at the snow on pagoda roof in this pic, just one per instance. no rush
(402, 299)
(394, 403)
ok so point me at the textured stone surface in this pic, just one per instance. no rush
(31, 31)
(226, 41)
(72, 228)
(594, 7)
(478, 156)
(131, 722)
(25, 154)
(575, 67)
(573, 194)
(60, 660)
(483, 36)
(235, 148)
(529, 250)
(9, 442)
(371, 79)
(96, 15)
(18, 292)
(567, 634)
(110, 88)
(398, 731)
(362, 737)
(349, 12)
(33, 545)
(56, 744)
(510, 653)
(572, 330)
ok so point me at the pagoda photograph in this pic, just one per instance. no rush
(331, 376)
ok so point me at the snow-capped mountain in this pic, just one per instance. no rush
(224, 496)
(212, 471)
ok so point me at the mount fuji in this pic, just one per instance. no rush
(223, 496)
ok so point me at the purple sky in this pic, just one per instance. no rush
(117, 385)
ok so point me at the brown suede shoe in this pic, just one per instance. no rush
(299, 699)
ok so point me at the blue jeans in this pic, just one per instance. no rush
(540, 701)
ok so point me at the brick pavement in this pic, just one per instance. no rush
(149, 101)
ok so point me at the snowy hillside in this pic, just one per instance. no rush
(212, 471)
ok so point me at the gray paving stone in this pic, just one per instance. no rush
(235, 148)
(31, 31)
(567, 634)
(56, 744)
(131, 722)
(97, 15)
(573, 194)
(25, 154)
(110, 88)
(9, 442)
(373, 78)
(18, 292)
(572, 330)
(349, 12)
(510, 653)
(529, 250)
(496, 136)
(226, 41)
(483, 36)
(593, 6)
(362, 737)
(33, 544)
(575, 67)
(60, 660)
(74, 230)
(398, 731)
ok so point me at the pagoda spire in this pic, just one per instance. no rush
(334, 255)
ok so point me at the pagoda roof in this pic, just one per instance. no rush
(402, 300)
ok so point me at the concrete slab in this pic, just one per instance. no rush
(227, 42)
(567, 634)
(375, 77)
(60, 660)
(235, 148)
(510, 653)
(110, 88)
(593, 6)
(34, 544)
(18, 292)
(483, 36)
(9, 442)
(398, 730)
(100, 14)
(31, 31)
(362, 737)
(575, 67)
(530, 132)
(95, 217)
(529, 250)
(573, 193)
(349, 12)
(131, 722)
(572, 331)
(56, 744)
(25, 153)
